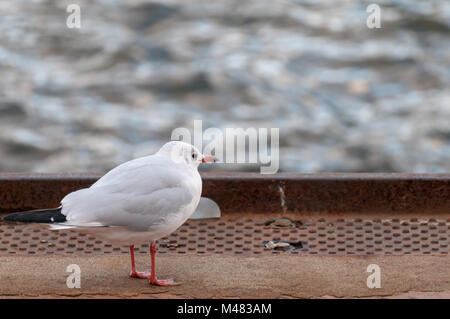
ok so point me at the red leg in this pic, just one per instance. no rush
(152, 279)
(134, 273)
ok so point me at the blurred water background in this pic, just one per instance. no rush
(345, 97)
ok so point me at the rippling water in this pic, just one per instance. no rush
(345, 97)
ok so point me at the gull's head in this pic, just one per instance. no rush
(181, 152)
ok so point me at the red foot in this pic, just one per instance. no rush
(163, 282)
(141, 274)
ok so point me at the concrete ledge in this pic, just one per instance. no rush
(227, 276)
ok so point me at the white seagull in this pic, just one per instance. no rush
(140, 200)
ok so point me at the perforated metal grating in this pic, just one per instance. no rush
(252, 235)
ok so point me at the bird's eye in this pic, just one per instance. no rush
(194, 156)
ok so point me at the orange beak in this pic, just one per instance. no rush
(208, 158)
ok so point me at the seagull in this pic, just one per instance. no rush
(141, 200)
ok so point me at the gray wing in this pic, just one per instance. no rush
(139, 196)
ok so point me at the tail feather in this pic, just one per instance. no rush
(60, 227)
(51, 215)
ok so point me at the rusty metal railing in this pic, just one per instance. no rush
(315, 214)
(256, 193)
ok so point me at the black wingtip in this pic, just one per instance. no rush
(52, 215)
(9, 218)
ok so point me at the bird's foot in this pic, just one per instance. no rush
(163, 282)
(141, 274)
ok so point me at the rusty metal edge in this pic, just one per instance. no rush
(336, 193)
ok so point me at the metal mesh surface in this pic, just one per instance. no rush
(253, 235)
